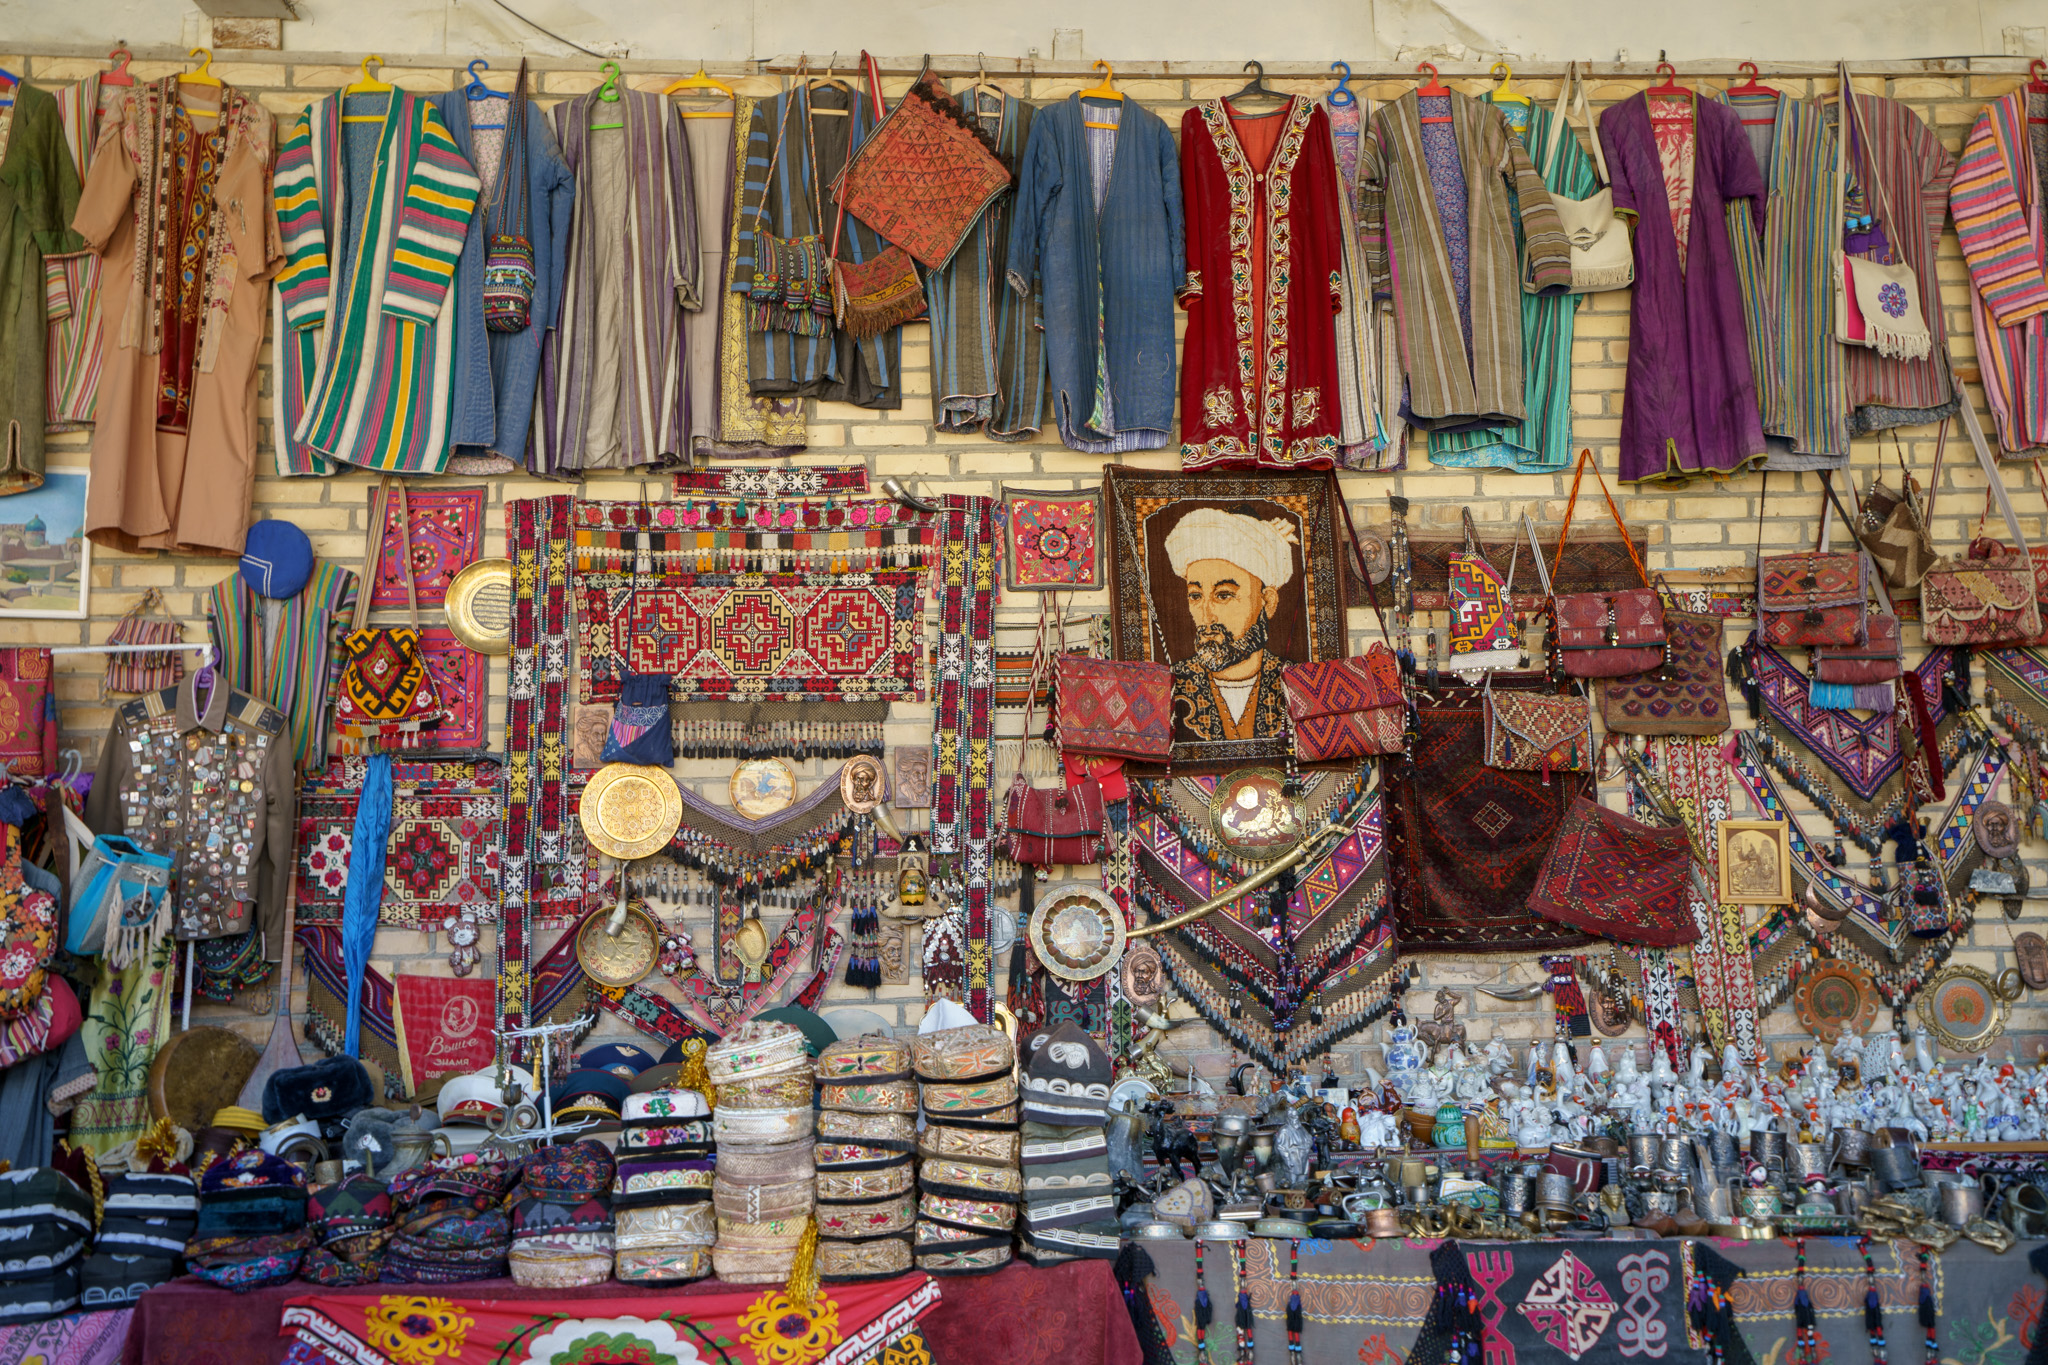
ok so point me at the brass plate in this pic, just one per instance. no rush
(1078, 932)
(1252, 815)
(763, 786)
(479, 606)
(1961, 1007)
(1834, 995)
(631, 810)
(862, 785)
(621, 961)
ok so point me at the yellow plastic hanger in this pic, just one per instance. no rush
(1104, 91)
(700, 81)
(1505, 92)
(367, 85)
(204, 75)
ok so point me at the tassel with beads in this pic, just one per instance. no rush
(694, 1076)
(864, 961)
(1926, 1310)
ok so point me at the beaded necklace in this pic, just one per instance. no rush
(1873, 1307)
(1205, 1312)
(1294, 1356)
(1247, 1347)
(1806, 1334)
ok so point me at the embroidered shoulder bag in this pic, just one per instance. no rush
(1482, 633)
(1810, 597)
(1879, 659)
(1538, 731)
(791, 287)
(1048, 826)
(1602, 257)
(1607, 634)
(869, 297)
(1891, 527)
(1877, 304)
(508, 247)
(387, 698)
(1988, 597)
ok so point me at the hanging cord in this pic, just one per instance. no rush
(1873, 1306)
(1926, 1306)
(1205, 1311)
(1806, 1334)
(1247, 1345)
(1294, 1356)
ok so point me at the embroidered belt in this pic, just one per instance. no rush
(862, 1187)
(969, 1179)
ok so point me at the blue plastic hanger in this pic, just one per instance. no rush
(477, 90)
(1341, 97)
(13, 84)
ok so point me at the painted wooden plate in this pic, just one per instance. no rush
(1833, 996)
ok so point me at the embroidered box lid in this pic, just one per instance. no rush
(972, 1052)
(755, 1048)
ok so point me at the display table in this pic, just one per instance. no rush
(1610, 1302)
(1069, 1314)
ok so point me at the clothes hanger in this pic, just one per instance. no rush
(700, 81)
(1105, 91)
(2037, 83)
(204, 75)
(12, 83)
(608, 93)
(367, 85)
(1256, 88)
(1341, 97)
(1433, 88)
(828, 79)
(119, 75)
(981, 82)
(478, 92)
(1505, 92)
(1669, 87)
(1753, 86)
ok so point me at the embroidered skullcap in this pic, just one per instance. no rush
(945, 1014)
(1066, 1077)
(1263, 549)
(665, 1104)
(818, 1035)
(756, 1048)
(277, 558)
(575, 1170)
(356, 1205)
(251, 1170)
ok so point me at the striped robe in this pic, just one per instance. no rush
(2003, 223)
(1410, 262)
(73, 282)
(364, 354)
(1785, 257)
(1363, 443)
(987, 358)
(633, 267)
(297, 659)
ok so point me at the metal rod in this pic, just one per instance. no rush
(125, 649)
(1314, 844)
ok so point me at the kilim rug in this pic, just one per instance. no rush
(1466, 842)
(462, 680)
(447, 535)
(794, 637)
(442, 855)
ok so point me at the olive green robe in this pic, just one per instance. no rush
(38, 194)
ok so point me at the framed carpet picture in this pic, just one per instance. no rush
(1229, 579)
(1756, 863)
(1055, 540)
(45, 559)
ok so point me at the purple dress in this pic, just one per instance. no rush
(1690, 405)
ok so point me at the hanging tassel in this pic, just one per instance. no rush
(1205, 1311)
(1020, 976)
(1244, 1311)
(1827, 696)
(694, 1075)
(1744, 678)
(1294, 1316)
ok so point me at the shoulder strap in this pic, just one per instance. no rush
(1557, 566)
(373, 544)
(1990, 464)
(1358, 556)
(1574, 85)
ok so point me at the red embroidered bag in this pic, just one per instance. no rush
(1618, 878)
(1047, 826)
(1607, 634)
(1991, 596)
(1538, 732)
(1347, 708)
(1116, 710)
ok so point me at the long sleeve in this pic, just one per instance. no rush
(441, 191)
(1031, 217)
(1992, 227)
(557, 202)
(103, 802)
(1176, 224)
(1372, 207)
(682, 202)
(753, 210)
(1325, 228)
(280, 836)
(302, 283)
(1194, 142)
(53, 202)
(1548, 253)
(1617, 168)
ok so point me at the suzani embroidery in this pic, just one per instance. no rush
(1216, 407)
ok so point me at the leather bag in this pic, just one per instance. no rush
(1113, 710)
(1602, 256)
(1607, 634)
(1538, 732)
(1890, 527)
(1347, 708)
(1988, 597)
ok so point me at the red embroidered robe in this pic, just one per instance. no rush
(1259, 364)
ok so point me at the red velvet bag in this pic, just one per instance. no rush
(1048, 825)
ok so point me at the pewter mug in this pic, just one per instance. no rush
(1807, 1161)
(1849, 1147)
(1673, 1154)
(1767, 1145)
(1554, 1192)
(1897, 1167)
(1514, 1194)
(1960, 1202)
(1642, 1151)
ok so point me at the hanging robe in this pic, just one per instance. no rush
(1098, 234)
(747, 423)
(286, 655)
(373, 217)
(2000, 200)
(1457, 294)
(835, 367)
(73, 357)
(1542, 441)
(1362, 441)
(611, 391)
(1784, 253)
(988, 367)
(1689, 406)
(180, 217)
(1265, 280)
(38, 196)
(497, 374)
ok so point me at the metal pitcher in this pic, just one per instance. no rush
(1806, 1161)
(1960, 1202)
(1642, 1151)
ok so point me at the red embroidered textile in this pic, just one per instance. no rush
(1618, 878)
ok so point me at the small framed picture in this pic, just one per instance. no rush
(1756, 863)
(45, 559)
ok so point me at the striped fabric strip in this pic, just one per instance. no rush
(302, 283)
(440, 196)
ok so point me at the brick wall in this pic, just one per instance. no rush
(1702, 527)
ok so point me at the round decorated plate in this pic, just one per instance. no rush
(618, 961)
(763, 786)
(1077, 932)
(1834, 996)
(1961, 1007)
(479, 606)
(1252, 815)
(630, 810)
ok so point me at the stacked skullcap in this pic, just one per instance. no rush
(352, 1220)
(449, 1224)
(867, 1113)
(45, 1222)
(661, 1194)
(1069, 1204)
(252, 1222)
(968, 1179)
(762, 1190)
(562, 1217)
(148, 1219)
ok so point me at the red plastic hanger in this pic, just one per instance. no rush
(119, 75)
(1669, 87)
(1753, 86)
(2037, 83)
(1434, 87)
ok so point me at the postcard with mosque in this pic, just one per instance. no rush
(45, 559)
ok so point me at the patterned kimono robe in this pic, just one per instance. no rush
(612, 372)
(175, 428)
(38, 194)
(1785, 254)
(1265, 278)
(74, 280)
(373, 220)
(1690, 404)
(988, 363)
(1457, 296)
(1363, 441)
(2000, 199)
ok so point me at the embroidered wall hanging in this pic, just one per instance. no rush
(447, 537)
(709, 1010)
(1054, 540)
(1696, 769)
(1863, 755)
(462, 680)
(28, 713)
(789, 636)
(1229, 578)
(1466, 841)
(755, 481)
(441, 856)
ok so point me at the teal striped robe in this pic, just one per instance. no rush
(365, 362)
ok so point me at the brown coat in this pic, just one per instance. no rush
(186, 491)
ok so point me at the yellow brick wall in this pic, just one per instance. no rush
(1708, 526)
